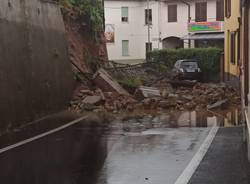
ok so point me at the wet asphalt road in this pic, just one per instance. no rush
(226, 160)
(99, 153)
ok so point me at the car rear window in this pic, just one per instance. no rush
(190, 64)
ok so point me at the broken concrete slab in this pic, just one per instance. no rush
(94, 100)
(107, 84)
(147, 92)
(217, 104)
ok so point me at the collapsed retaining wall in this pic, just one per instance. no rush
(35, 73)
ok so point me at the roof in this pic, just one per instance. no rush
(204, 36)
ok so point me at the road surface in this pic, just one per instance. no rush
(92, 152)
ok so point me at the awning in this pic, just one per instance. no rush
(204, 36)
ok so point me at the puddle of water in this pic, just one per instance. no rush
(228, 118)
(208, 119)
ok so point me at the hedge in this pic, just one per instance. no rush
(208, 58)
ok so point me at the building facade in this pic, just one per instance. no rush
(135, 27)
(237, 57)
(233, 33)
(244, 68)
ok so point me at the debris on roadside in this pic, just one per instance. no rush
(105, 82)
(97, 100)
(146, 92)
(184, 83)
(217, 104)
(163, 94)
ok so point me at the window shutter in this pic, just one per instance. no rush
(125, 47)
(228, 8)
(220, 10)
(204, 11)
(232, 46)
(172, 13)
(124, 11)
(201, 12)
(124, 14)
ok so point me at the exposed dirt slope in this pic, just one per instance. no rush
(84, 48)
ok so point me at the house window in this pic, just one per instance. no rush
(124, 14)
(228, 8)
(201, 12)
(125, 47)
(148, 47)
(148, 16)
(172, 13)
(232, 47)
(220, 10)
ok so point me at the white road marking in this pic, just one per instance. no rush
(42, 135)
(195, 162)
(247, 125)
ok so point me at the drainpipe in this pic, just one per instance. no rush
(148, 23)
(103, 15)
(189, 18)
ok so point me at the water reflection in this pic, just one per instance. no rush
(180, 119)
(206, 119)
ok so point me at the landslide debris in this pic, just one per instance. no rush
(164, 95)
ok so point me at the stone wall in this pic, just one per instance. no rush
(35, 73)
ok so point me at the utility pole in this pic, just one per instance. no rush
(148, 25)
(189, 18)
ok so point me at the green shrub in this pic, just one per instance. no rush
(131, 81)
(92, 10)
(209, 58)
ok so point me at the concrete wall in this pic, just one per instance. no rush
(35, 73)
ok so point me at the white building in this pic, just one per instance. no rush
(127, 28)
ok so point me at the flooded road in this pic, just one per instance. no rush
(132, 151)
(154, 156)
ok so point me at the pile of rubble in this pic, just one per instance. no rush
(162, 95)
(87, 100)
(199, 96)
(110, 96)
